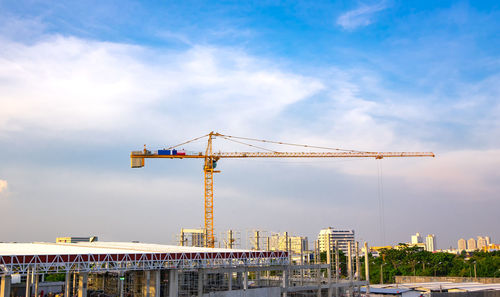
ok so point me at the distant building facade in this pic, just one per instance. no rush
(430, 243)
(491, 247)
(416, 239)
(462, 244)
(481, 242)
(192, 237)
(471, 244)
(296, 244)
(343, 237)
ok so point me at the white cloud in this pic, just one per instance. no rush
(66, 84)
(3, 185)
(360, 17)
(60, 86)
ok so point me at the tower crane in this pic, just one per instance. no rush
(210, 162)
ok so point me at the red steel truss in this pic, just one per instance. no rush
(20, 264)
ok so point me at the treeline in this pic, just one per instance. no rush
(416, 261)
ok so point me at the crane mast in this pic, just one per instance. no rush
(210, 162)
(208, 169)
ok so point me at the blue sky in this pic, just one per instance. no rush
(84, 83)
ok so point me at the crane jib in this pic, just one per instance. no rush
(288, 155)
(137, 161)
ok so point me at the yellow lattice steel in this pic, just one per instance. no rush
(210, 158)
(210, 162)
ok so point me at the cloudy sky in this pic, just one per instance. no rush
(84, 83)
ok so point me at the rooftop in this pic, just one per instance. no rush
(48, 257)
(49, 248)
(389, 291)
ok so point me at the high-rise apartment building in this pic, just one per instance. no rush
(430, 243)
(471, 244)
(481, 242)
(343, 237)
(297, 244)
(415, 239)
(488, 240)
(462, 244)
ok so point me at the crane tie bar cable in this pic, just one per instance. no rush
(262, 148)
(292, 144)
(194, 139)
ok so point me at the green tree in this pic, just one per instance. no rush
(407, 260)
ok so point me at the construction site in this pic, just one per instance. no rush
(151, 270)
(274, 265)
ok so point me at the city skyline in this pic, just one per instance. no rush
(473, 244)
(83, 84)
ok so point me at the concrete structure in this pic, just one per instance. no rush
(400, 279)
(415, 239)
(430, 243)
(192, 237)
(449, 251)
(471, 244)
(445, 286)
(257, 292)
(462, 244)
(343, 237)
(229, 242)
(152, 270)
(419, 245)
(5, 283)
(298, 244)
(294, 244)
(396, 292)
(375, 250)
(367, 271)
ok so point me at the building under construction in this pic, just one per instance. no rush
(127, 269)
